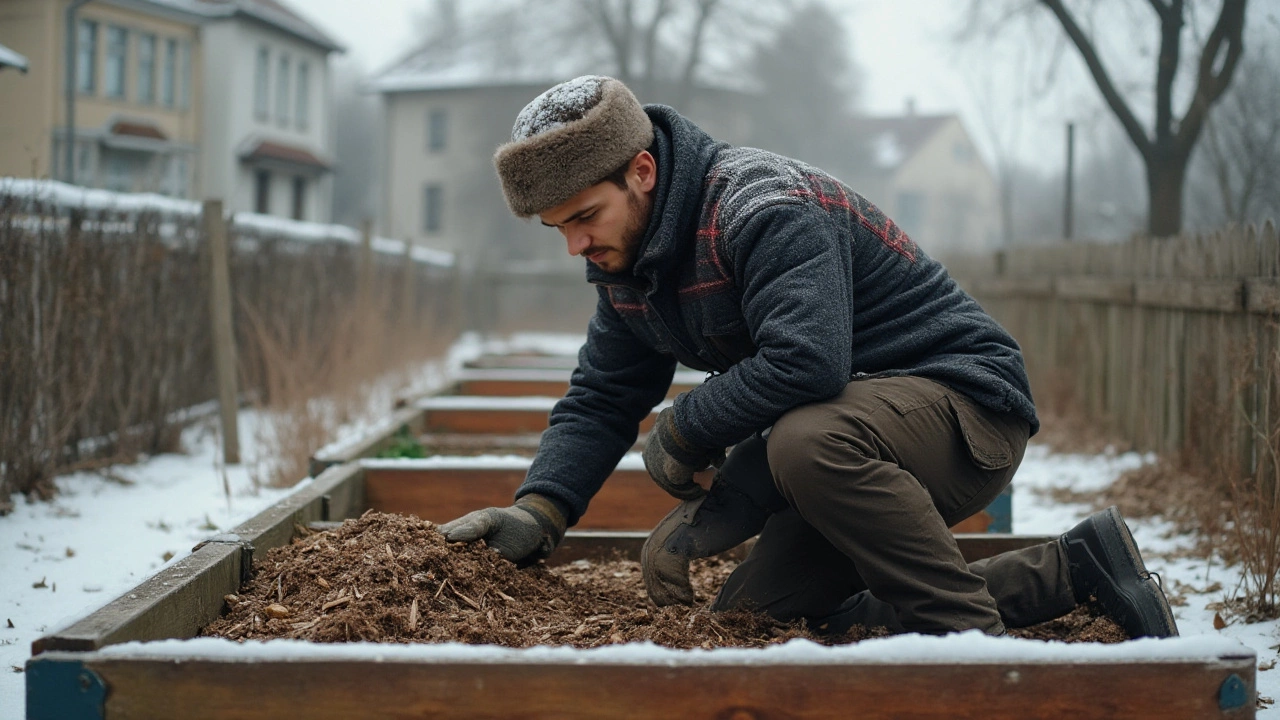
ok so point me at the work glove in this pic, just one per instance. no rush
(742, 498)
(523, 533)
(672, 461)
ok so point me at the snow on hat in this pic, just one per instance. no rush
(568, 139)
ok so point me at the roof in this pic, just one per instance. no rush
(137, 129)
(288, 154)
(9, 58)
(272, 12)
(478, 63)
(892, 140)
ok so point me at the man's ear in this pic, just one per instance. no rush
(644, 168)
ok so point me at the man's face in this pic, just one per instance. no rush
(605, 223)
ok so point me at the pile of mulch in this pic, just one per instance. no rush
(392, 578)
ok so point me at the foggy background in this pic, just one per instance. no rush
(1006, 69)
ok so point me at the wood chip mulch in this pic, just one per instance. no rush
(393, 578)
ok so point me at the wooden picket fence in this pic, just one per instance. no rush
(1171, 343)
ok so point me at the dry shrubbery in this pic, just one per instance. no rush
(1229, 496)
(313, 382)
(100, 343)
(105, 336)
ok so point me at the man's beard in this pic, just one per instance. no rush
(639, 206)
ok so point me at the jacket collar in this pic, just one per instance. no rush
(683, 153)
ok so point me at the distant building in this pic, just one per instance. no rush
(267, 114)
(445, 117)
(447, 111)
(137, 101)
(925, 173)
(188, 98)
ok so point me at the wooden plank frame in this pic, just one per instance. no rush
(400, 685)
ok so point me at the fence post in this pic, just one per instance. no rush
(224, 339)
(364, 280)
(408, 290)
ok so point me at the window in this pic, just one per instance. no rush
(437, 126)
(431, 208)
(119, 172)
(146, 69)
(184, 75)
(169, 72)
(299, 196)
(260, 84)
(117, 50)
(303, 113)
(262, 192)
(911, 210)
(87, 57)
(176, 181)
(282, 91)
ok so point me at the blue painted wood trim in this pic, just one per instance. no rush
(1001, 512)
(62, 688)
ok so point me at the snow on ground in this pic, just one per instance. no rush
(100, 537)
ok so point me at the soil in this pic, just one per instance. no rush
(392, 578)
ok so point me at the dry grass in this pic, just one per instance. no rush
(1254, 491)
(312, 383)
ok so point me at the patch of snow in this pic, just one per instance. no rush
(558, 106)
(972, 647)
(106, 532)
(61, 194)
(12, 58)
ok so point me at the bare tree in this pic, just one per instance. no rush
(1166, 147)
(1240, 159)
(807, 74)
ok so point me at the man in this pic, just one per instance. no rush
(870, 403)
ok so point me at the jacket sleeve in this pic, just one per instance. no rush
(617, 383)
(795, 273)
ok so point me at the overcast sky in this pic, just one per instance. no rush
(902, 47)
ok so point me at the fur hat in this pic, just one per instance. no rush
(568, 139)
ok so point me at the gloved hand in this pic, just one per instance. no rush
(523, 533)
(672, 461)
(741, 499)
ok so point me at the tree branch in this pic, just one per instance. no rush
(1228, 29)
(1167, 68)
(1109, 93)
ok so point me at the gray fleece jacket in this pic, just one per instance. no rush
(782, 283)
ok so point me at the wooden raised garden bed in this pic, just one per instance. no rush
(93, 668)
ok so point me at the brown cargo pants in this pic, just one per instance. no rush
(873, 478)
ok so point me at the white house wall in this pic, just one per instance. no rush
(961, 213)
(232, 47)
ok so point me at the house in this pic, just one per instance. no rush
(267, 135)
(136, 107)
(925, 173)
(188, 98)
(446, 112)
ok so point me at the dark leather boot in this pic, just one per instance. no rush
(1106, 567)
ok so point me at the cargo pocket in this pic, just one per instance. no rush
(988, 447)
(905, 394)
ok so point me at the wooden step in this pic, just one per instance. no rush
(442, 488)
(549, 383)
(494, 415)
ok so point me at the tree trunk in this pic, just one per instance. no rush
(1164, 187)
